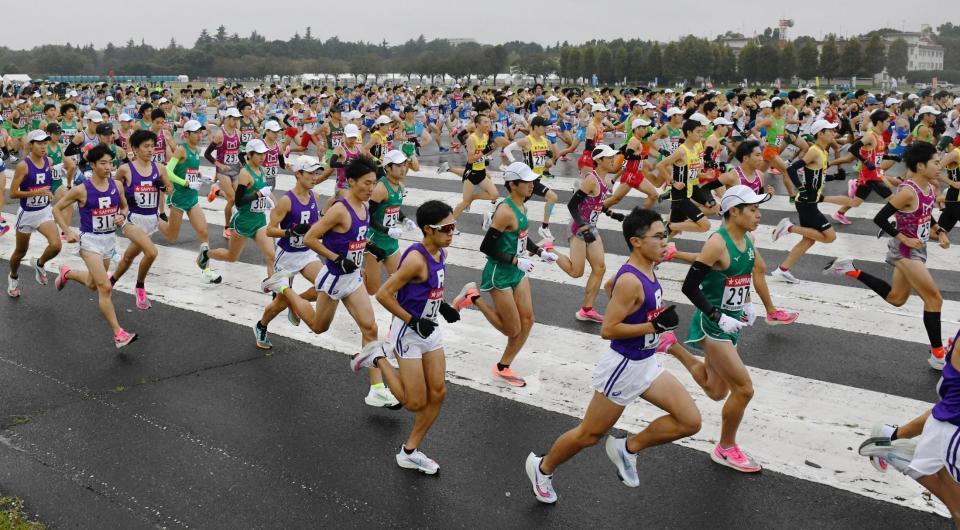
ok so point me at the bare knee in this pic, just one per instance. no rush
(586, 438)
(829, 237)
(150, 253)
(689, 423)
(437, 395)
(716, 394)
(744, 392)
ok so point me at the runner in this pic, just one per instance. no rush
(350, 150)
(870, 149)
(296, 211)
(950, 212)
(229, 162)
(628, 369)
(635, 153)
(414, 296)
(718, 284)
(504, 275)
(253, 199)
(103, 209)
(539, 154)
(684, 165)
(32, 180)
(912, 205)
(387, 220)
(340, 237)
(814, 226)
(475, 174)
(142, 181)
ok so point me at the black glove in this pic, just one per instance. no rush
(344, 266)
(300, 229)
(163, 216)
(589, 237)
(664, 152)
(616, 216)
(377, 252)
(422, 326)
(448, 313)
(667, 320)
(870, 165)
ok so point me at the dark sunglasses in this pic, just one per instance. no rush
(446, 229)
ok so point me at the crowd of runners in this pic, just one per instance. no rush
(127, 161)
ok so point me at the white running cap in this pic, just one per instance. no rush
(820, 125)
(519, 171)
(739, 195)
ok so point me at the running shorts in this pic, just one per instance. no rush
(103, 244)
(183, 199)
(622, 380)
(148, 223)
(770, 152)
(684, 209)
(248, 224)
(864, 189)
(897, 251)
(812, 217)
(285, 260)
(28, 221)
(475, 176)
(539, 188)
(500, 276)
(935, 449)
(338, 287)
(702, 327)
(407, 344)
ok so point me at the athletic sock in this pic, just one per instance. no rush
(878, 286)
(139, 285)
(261, 325)
(586, 308)
(545, 225)
(474, 298)
(14, 276)
(894, 435)
(782, 269)
(502, 367)
(540, 469)
(931, 321)
(408, 451)
(377, 386)
(113, 281)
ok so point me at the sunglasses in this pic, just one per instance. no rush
(446, 229)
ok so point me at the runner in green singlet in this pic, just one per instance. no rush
(387, 222)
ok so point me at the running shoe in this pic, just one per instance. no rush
(735, 458)
(13, 287)
(589, 316)
(443, 167)
(782, 228)
(780, 317)
(626, 463)
(202, 259)
(62, 279)
(507, 375)
(4, 228)
(293, 318)
(260, 334)
(564, 158)
(852, 188)
(39, 273)
(897, 453)
(276, 282)
(227, 233)
(444, 149)
(938, 358)
(487, 220)
(840, 267)
(464, 298)
(142, 301)
(367, 357)
(840, 218)
(671, 251)
(785, 276)
(417, 460)
(63, 236)
(880, 432)
(667, 339)
(382, 398)
(121, 338)
(210, 276)
(547, 244)
(542, 484)
(214, 191)
(545, 233)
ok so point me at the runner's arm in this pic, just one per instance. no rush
(276, 216)
(706, 259)
(411, 269)
(627, 294)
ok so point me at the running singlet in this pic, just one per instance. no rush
(916, 134)
(916, 223)
(387, 213)
(37, 178)
(259, 204)
(188, 170)
(271, 162)
(248, 131)
(512, 242)
(948, 390)
(58, 171)
(299, 214)
(160, 149)
(142, 192)
(756, 184)
(591, 207)
(335, 138)
(538, 154)
(423, 300)
(229, 151)
(98, 211)
(775, 132)
(687, 172)
(638, 348)
(350, 244)
(953, 174)
(69, 131)
(875, 156)
(479, 148)
(342, 171)
(729, 289)
(812, 179)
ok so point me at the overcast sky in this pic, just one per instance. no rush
(487, 21)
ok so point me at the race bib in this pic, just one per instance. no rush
(539, 159)
(522, 242)
(59, 172)
(246, 136)
(192, 176)
(38, 201)
(231, 158)
(923, 231)
(296, 241)
(653, 339)
(778, 140)
(146, 196)
(735, 292)
(103, 220)
(271, 171)
(391, 217)
(355, 251)
(434, 300)
(594, 216)
(336, 141)
(259, 205)
(160, 158)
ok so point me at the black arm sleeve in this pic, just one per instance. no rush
(691, 287)
(882, 219)
(372, 220)
(283, 161)
(630, 154)
(489, 247)
(335, 161)
(208, 154)
(241, 197)
(462, 137)
(532, 247)
(574, 206)
(855, 148)
(708, 161)
(72, 149)
(794, 172)
(712, 185)
(590, 145)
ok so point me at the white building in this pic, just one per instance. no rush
(922, 52)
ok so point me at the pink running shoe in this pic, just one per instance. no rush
(62, 279)
(589, 316)
(667, 339)
(142, 301)
(464, 298)
(507, 375)
(736, 459)
(4, 228)
(122, 338)
(852, 188)
(780, 317)
(840, 218)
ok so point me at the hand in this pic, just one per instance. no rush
(377, 252)
(448, 313)
(524, 264)
(344, 266)
(222, 167)
(300, 229)
(422, 326)
(616, 216)
(193, 185)
(771, 190)
(120, 219)
(588, 235)
(395, 232)
(409, 225)
(677, 185)
(666, 320)
(728, 324)
(49, 195)
(944, 239)
(72, 236)
(269, 200)
(549, 257)
(911, 242)
(265, 191)
(749, 314)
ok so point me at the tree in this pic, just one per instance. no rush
(749, 62)
(573, 71)
(724, 64)
(830, 58)
(588, 62)
(851, 59)
(621, 64)
(653, 64)
(897, 58)
(605, 65)
(807, 67)
(637, 67)
(874, 56)
(495, 60)
(221, 33)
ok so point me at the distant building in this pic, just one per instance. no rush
(922, 52)
(738, 43)
(459, 41)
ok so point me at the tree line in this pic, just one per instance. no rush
(224, 54)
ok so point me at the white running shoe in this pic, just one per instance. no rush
(542, 484)
(545, 232)
(276, 282)
(443, 167)
(210, 276)
(367, 357)
(487, 219)
(839, 267)
(626, 463)
(880, 431)
(785, 276)
(417, 460)
(13, 287)
(382, 398)
(292, 317)
(897, 453)
(40, 273)
(937, 363)
(782, 228)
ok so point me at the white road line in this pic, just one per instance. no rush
(791, 421)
